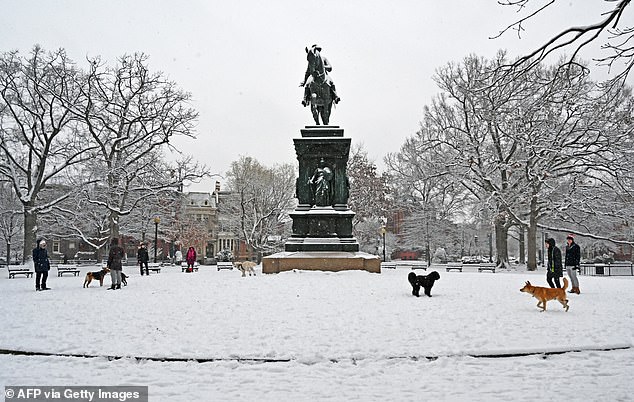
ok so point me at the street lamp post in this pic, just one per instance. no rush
(427, 243)
(157, 220)
(383, 235)
(383, 221)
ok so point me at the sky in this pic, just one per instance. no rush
(243, 60)
(321, 336)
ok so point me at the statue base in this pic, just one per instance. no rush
(294, 244)
(322, 229)
(321, 261)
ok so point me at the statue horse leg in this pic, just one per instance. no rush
(325, 113)
(315, 109)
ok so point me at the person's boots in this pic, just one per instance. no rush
(112, 287)
(573, 290)
(118, 286)
(147, 272)
(577, 290)
(141, 271)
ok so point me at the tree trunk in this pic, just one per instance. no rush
(30, 228)
(532, 235)
(114, 226)
(8, 253)
(501, 244)
(522, 244)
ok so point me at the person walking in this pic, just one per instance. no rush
(114, 263)
(42, 265)
(573, 258)
(554, 269)
(143, 258)
(190, 258)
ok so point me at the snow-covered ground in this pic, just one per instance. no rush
(305, 336)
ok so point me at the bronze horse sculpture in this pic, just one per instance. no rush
(320, 88)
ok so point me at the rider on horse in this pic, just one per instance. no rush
(313, 75)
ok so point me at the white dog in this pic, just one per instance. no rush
(245, 266)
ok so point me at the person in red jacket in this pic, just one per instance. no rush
(191, 259)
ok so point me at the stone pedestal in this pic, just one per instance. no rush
(321, 261)
(331, 223)
(322, 230)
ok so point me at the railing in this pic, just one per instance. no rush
(612, 269)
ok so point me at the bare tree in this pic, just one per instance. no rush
(262, 197)
(617, 38)
(10, 218)
(131, 114)
(40, 137)
(424, 189)
(368, 198)
(513, 143)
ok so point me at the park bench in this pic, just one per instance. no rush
(486, 266)
(184, 266)
(67, 269)
(454, 266)
(19, 271)
(224, 265)
(412, 264)
(154, 267)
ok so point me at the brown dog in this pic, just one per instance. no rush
(97, 275)
(545, 294)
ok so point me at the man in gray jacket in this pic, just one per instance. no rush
(573, 257)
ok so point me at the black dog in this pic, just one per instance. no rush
(123, 279)
(425, 281)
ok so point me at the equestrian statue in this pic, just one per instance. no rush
(319, 89)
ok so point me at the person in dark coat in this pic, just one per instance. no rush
(573, 258)
(114, 263)
(143, 258)
(41, 264)
(554, 269)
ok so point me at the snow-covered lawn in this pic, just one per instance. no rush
(298, 336)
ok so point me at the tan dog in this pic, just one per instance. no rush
(545, 294)
(245, 266)
(97, 275)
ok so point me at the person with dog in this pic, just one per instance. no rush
(573, 258)
(41, 264)
(554, 268)
(114, 263)
(143, 258)
(191, 259)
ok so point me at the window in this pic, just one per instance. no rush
(56, 247)
(71, 246)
